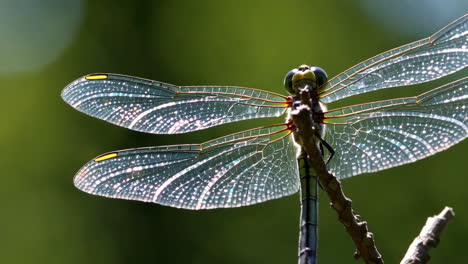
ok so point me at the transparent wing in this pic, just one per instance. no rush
(441, 54)
(379, 135)
(236, 170)
(161, 108)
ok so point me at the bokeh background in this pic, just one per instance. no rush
(44, 45)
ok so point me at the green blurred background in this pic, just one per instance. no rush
(47, 44)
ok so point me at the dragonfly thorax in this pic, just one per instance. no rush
(318, 108)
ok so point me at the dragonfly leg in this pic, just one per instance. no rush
(330, 150)
(325, 144)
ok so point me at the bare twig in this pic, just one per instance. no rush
(357, 229)
(418, 252)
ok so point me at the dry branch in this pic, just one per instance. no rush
(418, 252)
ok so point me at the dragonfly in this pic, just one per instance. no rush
(268, 162)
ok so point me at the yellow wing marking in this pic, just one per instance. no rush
(96, 77)
(106, 156)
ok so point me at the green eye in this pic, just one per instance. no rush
(320, 74)
(288, 80)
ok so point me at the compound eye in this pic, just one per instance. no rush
(320, 74)
(288, 81)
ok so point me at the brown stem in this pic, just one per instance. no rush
(356, 228)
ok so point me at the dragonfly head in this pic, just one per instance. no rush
(311, 75)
